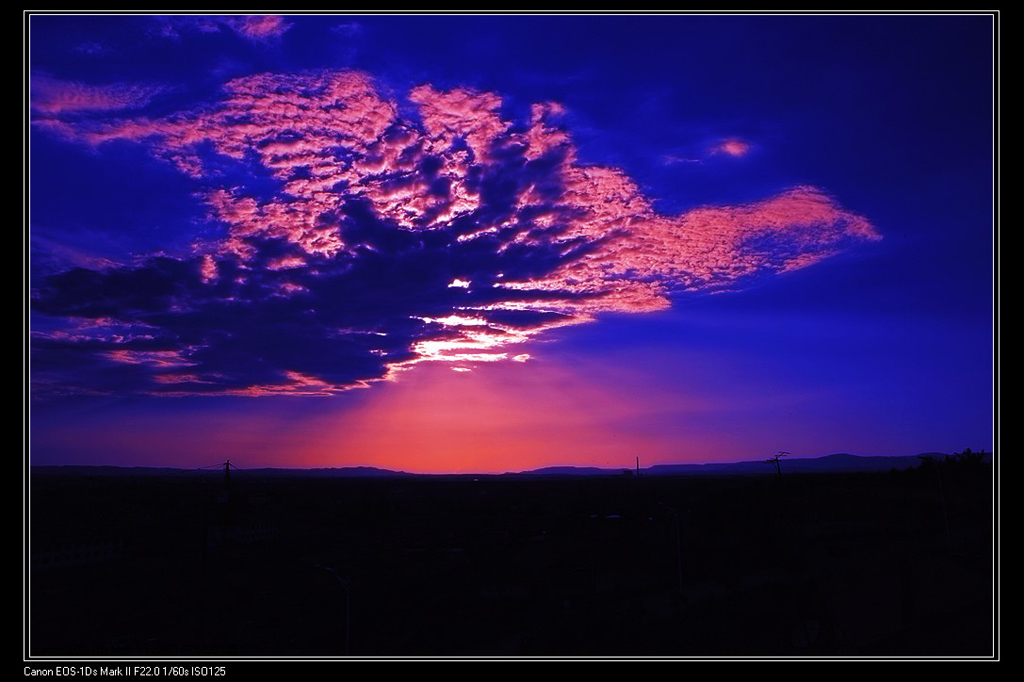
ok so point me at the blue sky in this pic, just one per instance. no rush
(696, 237)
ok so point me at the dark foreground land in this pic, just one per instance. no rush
(879, 564)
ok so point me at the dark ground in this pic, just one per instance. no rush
(850, 565)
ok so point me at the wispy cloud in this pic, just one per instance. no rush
(256, 27)
(53, 96)
(260, 27)
(453, 235)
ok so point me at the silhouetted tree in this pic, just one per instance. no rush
(961, 462)
(968, 459)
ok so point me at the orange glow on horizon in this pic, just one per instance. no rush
(499, 418)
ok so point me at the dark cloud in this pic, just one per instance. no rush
(358, 244)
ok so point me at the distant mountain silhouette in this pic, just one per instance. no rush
(103, 470)
(330, 472)
(841, 462)
(568, 471)
(325, 472)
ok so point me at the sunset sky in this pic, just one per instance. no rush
(492, 243)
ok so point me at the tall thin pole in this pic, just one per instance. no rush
(775, 459)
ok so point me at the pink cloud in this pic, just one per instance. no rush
(732, 147)
(718, 246)
(53, 97)
(460, 113)
(261, 27)
(335, 145)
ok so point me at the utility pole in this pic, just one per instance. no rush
(774, 459)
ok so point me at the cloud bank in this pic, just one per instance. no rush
(364, 235)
